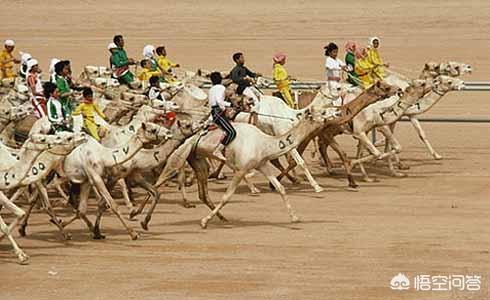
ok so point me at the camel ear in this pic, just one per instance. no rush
(426, 67)
(143, 125)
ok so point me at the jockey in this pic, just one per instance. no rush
(56, 115)
(166, 65)
(375, 59)
(88, 109)
(218, 106)
(7, 61)
(35, 87)
(364, 68)
(334, 67)
(281, 78)
(242, 76)
(120, 62)
(350, 61)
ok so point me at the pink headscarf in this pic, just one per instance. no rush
(360, 53)
(279, 57)
(350, 47)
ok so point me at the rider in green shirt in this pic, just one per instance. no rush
(120, 62)
(62, 70)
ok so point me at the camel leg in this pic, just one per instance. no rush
(17, 211)
(125, 192)
(181, 180)
(237, 177)
(399, 163)
(17, 194)
(81, 209)
(391, 142)
(361, 165)
(322, 148)
(217, 171)
(345, 161)
(32, 203)
(22, 258)
(140, 180)
(416, 124)
(99, 184)
(276, 163)
(267, 171)
(49, 210)
(301, 163)
(200, 167)
(253, 189)
(101, 208)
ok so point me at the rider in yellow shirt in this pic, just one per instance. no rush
(165, 64)
(281, 78)
(364, 68)
(87, 108)
(146, 72)
(7, 61)
(375, 59)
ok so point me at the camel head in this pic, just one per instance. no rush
(455, 69)
(164, 105)
(94, 71)
(71, 141)
(149, 114)
(42, 142)
(322, 114)
(15, 113)
(104, 82)
(382, 90)
(418, 87)
(443, 84)
(150, 133)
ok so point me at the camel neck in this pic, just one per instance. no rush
(120, 155)
(425, 103)
(396, 111)
(12, 177)
(351, 109)
(282, 144)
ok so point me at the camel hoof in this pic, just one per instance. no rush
(204, 223)
(134, 236)
(353, 188)
(222, 218)
(318, 189)
(397, 174)
(255, 191)
(403, 166)
(437, 156)
(144, 225)
(368, 179)
(133, 213)
(188, 205)
(67, 236)
(99, 236)
(295, 219)
(23, 259)
(22, 231)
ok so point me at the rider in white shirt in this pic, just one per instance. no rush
(334, 68)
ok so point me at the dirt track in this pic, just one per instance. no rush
(350, 244)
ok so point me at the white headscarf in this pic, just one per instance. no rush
(149, 51)
(31, 63)
(372, 39)
(9, 43)
(111, 46)
(24, 57)
(53, 62)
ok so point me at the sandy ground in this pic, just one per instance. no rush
(350, 244)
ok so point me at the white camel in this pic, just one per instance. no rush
(381, 116)
(16, 173)
(86, 165)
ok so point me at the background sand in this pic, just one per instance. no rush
(350, 244)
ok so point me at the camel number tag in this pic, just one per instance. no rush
(287, 142)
